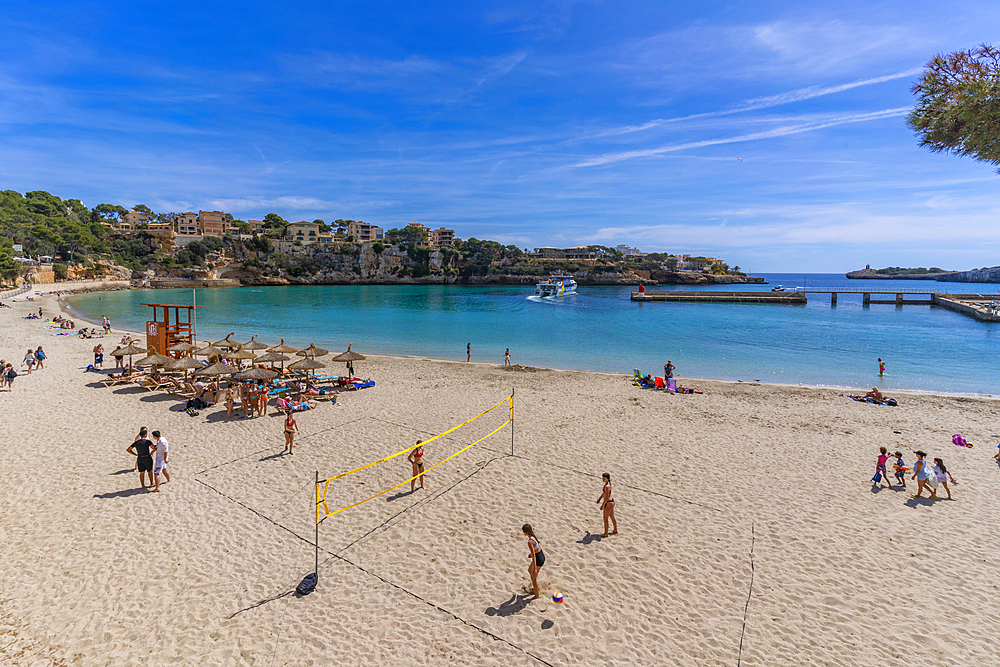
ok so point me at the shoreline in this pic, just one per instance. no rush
(68, 310)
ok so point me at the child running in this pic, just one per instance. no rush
(901, 469)
(880, 471)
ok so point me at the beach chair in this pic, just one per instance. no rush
(672, 385)
(636, 377)
(151, 384)
(111, 381)
(659, 382)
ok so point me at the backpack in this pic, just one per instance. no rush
(11, 374)
(307, 585)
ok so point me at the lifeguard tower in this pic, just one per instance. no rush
(171, 324)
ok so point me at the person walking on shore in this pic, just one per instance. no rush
(880, 471)
(942, 477)
(291, 428)
(9, 376)
(144, 461)
(506, 357)
(920, 472)
(900, 469)
(39, 358)
(107, 324)
(881, 367)
(468, 352)
(98, 355)
(535, 555)
(416, 458)
(29, 360)
(160, 464)
(607, 503)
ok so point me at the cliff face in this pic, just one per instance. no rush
(687, 278)
(975, 276)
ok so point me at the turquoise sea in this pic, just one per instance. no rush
(600, 329)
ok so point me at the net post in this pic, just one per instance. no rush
(316, 508)
(512, 421)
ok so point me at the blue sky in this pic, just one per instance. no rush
(533, 123)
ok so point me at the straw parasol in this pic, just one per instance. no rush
(238, 355)
(284, 349)
(129, 350)
(209, 351)
(181, 347)
(254, 344)
(216, 369)
(307, 365)
(154, 359)
(313, 351)
(349, 357)
(225, 342)
(183, 364)
(256, 373)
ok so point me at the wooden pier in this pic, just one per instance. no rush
(983, 307)
(699, 296)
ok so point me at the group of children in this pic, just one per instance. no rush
(922, 472)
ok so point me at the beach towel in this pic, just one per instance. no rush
(671, 384)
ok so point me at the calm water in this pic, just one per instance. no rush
(601, 329)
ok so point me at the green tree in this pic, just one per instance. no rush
(411, 235)
(273, 220)
(958, 104)
(8, 267)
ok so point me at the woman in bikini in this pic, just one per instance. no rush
(416, 458)
(291, 428)
(536, 556)
(607, 503)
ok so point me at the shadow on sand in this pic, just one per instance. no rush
(514, 605)
(590, 538)
(121, 494)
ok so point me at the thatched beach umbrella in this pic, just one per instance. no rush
(307, 365)
(130, 350)
(181, 347)
(256, 373)
(216, 370)
(313, 351)
(284, 349)
(238, 355)
(254, 344)
(154, 359)
(349, 357)
(226, 342)
(183, 364)
(209, 351)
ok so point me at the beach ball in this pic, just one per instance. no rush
(557, 598)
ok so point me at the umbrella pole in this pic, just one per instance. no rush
(316, 508)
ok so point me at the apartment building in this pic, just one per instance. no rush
(213, 223)
(162, 232)
(363, 232)
(304, 232)
(135, 218)
(436, 237)
(577, 253)
(626, 251)
(187, 224)
(256, 226)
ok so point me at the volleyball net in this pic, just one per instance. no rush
(323, 508)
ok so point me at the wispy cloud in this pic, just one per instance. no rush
(754, 136)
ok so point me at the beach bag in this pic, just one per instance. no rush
(877, 479)
(891, 401)
(307, 585)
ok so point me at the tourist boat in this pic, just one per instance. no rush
(779, 288)
(556, 286)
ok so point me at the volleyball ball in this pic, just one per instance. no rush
(557, 598)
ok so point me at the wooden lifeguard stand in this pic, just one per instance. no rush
(164, 331)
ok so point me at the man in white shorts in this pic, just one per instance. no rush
(160, 463)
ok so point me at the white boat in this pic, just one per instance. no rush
(779, 288)
(555, 286)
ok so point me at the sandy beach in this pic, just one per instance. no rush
(750, 533)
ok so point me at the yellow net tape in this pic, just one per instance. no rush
(321, 499)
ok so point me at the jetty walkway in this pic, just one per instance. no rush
(983, 307)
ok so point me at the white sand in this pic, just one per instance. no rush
(96, 572)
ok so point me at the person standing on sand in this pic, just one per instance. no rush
(416, 458)
(107, 325)
(506, 357)
(40, 358)
(229, 402)
(607, 503)
(468, 352)
(160, 465)
(881, 367)
(920, 473)
(668, 370)
(291, 428)
(942, 476)
(29, 360)
(98, 355)
(880, 471)
(9, 376)
(535, 555)
(144, 461)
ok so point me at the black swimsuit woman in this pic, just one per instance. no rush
(536, 556)
(607, 503)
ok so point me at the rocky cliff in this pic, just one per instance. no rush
(691, 278)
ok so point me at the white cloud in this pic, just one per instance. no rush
(755, 136)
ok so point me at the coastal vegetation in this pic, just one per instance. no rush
(87, 242)
(958, 104)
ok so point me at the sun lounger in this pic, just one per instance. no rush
(153, 385)
(112, 380)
